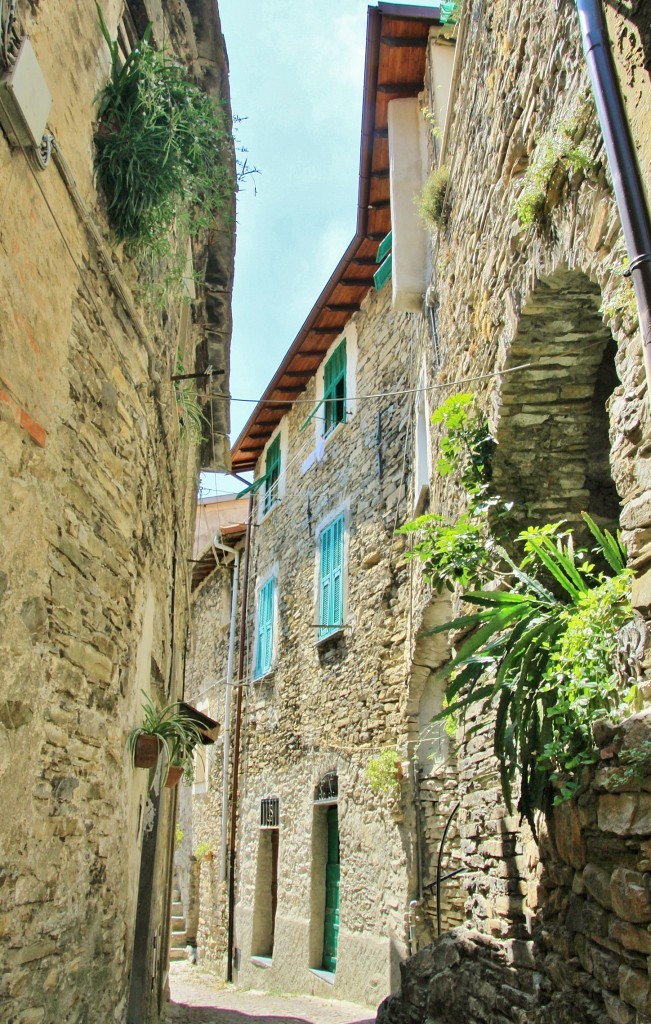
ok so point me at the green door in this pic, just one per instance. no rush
(331, 928)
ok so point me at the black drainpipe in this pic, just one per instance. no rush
(622, 160)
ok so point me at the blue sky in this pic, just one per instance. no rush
(296, 75)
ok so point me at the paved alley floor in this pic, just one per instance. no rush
(199, 997)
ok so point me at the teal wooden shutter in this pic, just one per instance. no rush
(384, 257)
(331, 578)
(334, 388)
(265, 635)
(272, 473)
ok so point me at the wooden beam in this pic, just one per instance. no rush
(381, 133)
(324, 330)
(359, 282)
(317, 353)
(403, 41)
(288, 389)
(380, 204)
(383, 172)
(401, 88)
(364, 261)
(375, 236)
(343, 307)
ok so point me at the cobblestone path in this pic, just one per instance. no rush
(198, 997)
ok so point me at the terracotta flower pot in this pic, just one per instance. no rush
(146, 752)
(174, 776)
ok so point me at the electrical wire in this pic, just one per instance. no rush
(386, 394)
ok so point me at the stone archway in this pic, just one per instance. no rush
(553, 454)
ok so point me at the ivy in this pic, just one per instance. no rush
(460, 552)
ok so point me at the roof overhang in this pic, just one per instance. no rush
(396, 53)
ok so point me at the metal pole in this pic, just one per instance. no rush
(226, 750)
(622, 161)
(236, 743)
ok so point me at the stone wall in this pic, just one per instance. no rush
(538, 943)
(587, 956)
(96, 502)
(332, 706)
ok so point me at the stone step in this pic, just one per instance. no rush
(178, 924)
(178, 940)
(177, 908)
(178, 953)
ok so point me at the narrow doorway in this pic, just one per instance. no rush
(266, 883)
(331, 917)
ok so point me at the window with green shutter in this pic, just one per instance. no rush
(385, 259)
(331, 579)
(334, 389)
(272, 474)
(265, 634)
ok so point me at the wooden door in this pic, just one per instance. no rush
(331, 926)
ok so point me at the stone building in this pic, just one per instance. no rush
(540, 317)
(98, 473)
(330, 622)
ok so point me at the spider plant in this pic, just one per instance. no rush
(177, 733)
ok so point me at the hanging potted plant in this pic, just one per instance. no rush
(171, 730)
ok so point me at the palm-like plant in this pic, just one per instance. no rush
(542, 655)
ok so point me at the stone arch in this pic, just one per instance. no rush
(553, 454)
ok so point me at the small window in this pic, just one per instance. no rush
(265, 633)
(269, 812)
(331, 579)
(272, 474)
(334, 389)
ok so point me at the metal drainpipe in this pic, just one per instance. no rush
(236, 743)
(227, 705)
(622, 160)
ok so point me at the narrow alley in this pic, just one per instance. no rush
(199, 997)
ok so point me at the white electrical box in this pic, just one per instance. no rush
(25, 99)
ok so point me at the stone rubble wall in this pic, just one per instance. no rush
(538, 944)
(96, 504)
(587, 960)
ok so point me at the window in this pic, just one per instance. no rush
(384, 258)
(272, 474)
(265, 632)
(334, 389)
(331, 583)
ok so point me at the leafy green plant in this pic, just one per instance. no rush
(203, 850)
(460, 552)
(178, 733)
(557, 154)
(178, 834)
(163, 151)
(384, 771)
(634, 766)
(432, 199)
(192, 420)
(542, 653)
(622, 302)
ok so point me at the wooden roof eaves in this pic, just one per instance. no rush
(375, 15)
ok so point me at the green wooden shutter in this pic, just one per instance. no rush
(265, 635)
(384, 257)
(272, 473)
(331, 585)
(331, 919)
(334, 388)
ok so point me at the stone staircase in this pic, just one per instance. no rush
(178, 935)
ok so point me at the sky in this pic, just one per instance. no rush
(296, 78)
